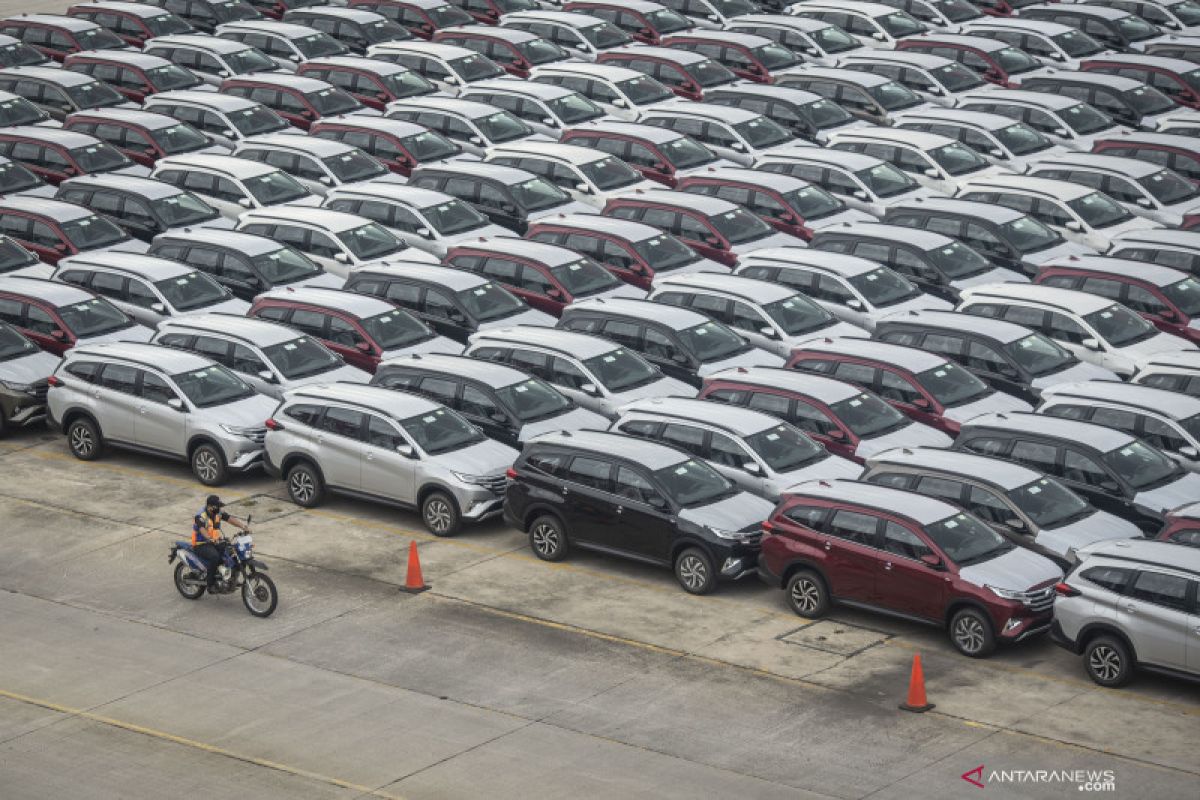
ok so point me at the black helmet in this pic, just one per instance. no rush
(213, 500)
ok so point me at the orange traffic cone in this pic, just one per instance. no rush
(916, 689)
(414, 583)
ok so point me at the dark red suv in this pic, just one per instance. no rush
(54, 229)
(420, 17)
(135, 75)
(645, 22)
(134, 23)
(297, 99)
(906, 554)
(1170, 150)
(143, 136)
(56, 154)
(57, 37)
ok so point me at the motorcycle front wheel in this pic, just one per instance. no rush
(259, 595)
(188, 582)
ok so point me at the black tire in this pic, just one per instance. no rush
(440, 514)
(84, 440)
(971, 633)
(548, 539)
(807, 595)
(3, 424)
(190, 592)
(1108, 661)
(259, 595)
(304, 485)
(208, 465)
(694, 571)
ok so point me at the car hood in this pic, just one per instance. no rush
(251, 412)
(663, 387)
(1018, 570)
(1182, 490)
(995, 275)
(913, 435)
(1064, 250)
(342, 374)
(1159, 343)
(530, 317)
(996, 401)
(487, 457)
(34, 367)
(231, 305)
(1083, 371)
(325, 280)
(1097, 527)
(847, 215)
(135, 333)
(842, 329)
(774, 240)
(573, 207)
(754, 357)
(438, 344)
(128, 246)
(487, 231)
(826, 469)
(731, 514)
(573, 420)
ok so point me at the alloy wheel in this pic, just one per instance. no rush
(82, 442)
(805, 596)
(693, 572)
(206, 466)
(301, 486)
(545, 539)
(969, 634)
(1105, 663)
(438, 515)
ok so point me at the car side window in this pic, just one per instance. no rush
(903, 542)
(941, 487)
(1066, 329)
(632, 485)
(987, 446)
(898, 388)
(476, 403)
(38, 321)
(809, 516)
(383, 434)
(854, 526)
(119, 378)
(343, 422)
(1042, 457)
(591, 472)
(686, 438)
(156, 390)
(441, 389)
(1082, 469)
(1169, 591)
(987, 506)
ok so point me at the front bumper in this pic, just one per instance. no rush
(246, 461)
(1018, 629)
(476, 506)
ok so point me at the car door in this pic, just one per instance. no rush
(903, 582)
(386, 472)
(159, 426)
(479, 406)
(117, 401)
(1154, 614)
(340, 447)
(644, 520)
(588, 493)
(849, 539)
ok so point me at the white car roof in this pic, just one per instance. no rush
(360, 305)
(1069, 300)
(1008, 475)
(1175, 405)
(579, 345)
(920, 508)
(750, 289)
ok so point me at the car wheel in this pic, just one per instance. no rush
(3, 424)
(440, 514)
(208, 465)
(694, 571)
(547, 539)
(971, 633)
(84, 440)
(304, 485)
(1107, 661)
(807, 595)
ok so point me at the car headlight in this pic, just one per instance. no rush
(478, 480)
(1007, 594)
(730, 535)
(13, 386)
(234, 430)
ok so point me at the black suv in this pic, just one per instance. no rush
(1127, 100)
(634, 498)
(144, 207)
(507, 196)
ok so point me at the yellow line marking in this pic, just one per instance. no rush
(203, 746)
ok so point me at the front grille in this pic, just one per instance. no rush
(39, 390)
(256, 435)
(1040, 600)
(496, 484)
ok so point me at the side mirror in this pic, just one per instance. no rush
(426, 232)
(1073, 225)
(550, 121)
(1014, 523)
(58, 333)
(931, 561)
(475, 140)
(158, 308)
(60, 247)
(583, 188)
(620, 102)
(590, 389)
(836, 433)
(496, 416)
(246, 202)
(930, 172)
(175, 403)
(222, 73)
(268, 376)
(451, 80)
(405, 449)
(341, 258)
(769, 332)
(855, 304)
(326, 180)
(1187, 451)
(554, 293)
(1167, 313)
(658, 503)
(713, 18)
(229, 134)
(679, 358)
(996, 152)
(1061, 132)
(921, 402)
(1145, 202)
(936, 90)
(294, 57)
(738, 146)
(1091, 343)
(364, 346)
(752, 467)
(1110, 486)
(644, 31)
(878, 36)
(307, 113)
(859, 194)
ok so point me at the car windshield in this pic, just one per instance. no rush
(957, 10)
(826, 114)
(644, 90)
(866, 415)
(13, 345)
(19, 54)
(1084, 118)
(712, 341)
(584, 277)
(170, 76)
(667, 21)
(775, 56)
(1048, 503)
(610, 173)
(951, 385)
(665, 252)
(15, 178)
(453, 216)
(1099, 211)
(511, 6)
(234, 11)
(1169, 187)
(833, 39)
(448, 16)
(489, 301)
(166, 24)
(1015, 62)
(354, 165)
(1028, 235)
(956, 261)
(1192, 79)
(1141, 466)
(1136, 29)
(798, 314)
(894, 97)
(1020, 139)
(181, 138)
(604, 35)
(249, 60)
(538, 193)
(685, 152)
(441, 431)
(475, 68)
(332, 101)
(301, 358)
(370, 241)
(212, 386)
(1184, 295)
(395, 329)
(1077, 44)
(956, 78)
(191, 290)
(735, 8)
(532, 400)
(429, 146)
(957, 159)
(407, 84)
(13, 256)
(1192, 426)
(285, 265)
(1187, 11)
(502, 127)
(784, 448)
(94, 94)
(1119, 326)
(94, 317)
(884, 287)
(541, 51)
(691, 483)
(621, 369)
(318, 45)
(98, 39)
(900, 24)
(965, 540)
(183, 209)
(19, 111)
(573, 108)
(813, 202)
(88, 233)
(1148, 101)
(884, 180)
(256, 119)
(99, 157)
(1039, 355)
(762, 132)
(739, 226)
(709, 73)
(274, 188)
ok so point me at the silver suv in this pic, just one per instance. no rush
(160, 401)
(394, 447)
(1131, 604)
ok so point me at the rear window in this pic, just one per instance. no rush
(1115, 579)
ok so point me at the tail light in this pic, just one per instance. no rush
(1064, 589)
(768, 526)
(510, 473)
(54, 380)
(273, 424)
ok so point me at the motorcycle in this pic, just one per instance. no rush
(239, 569)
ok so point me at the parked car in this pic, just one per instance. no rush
(1051, 43)
(54, 155)
(58, 36)
(875, 25)
(588, 175)
(135, 75)
(211, 58)
(1174, 77)
(285, 43)
(17, 179)
(658, 153)
(566, 489)
(16, 260)
(142, 136)
(24, 370)
(372, 82)
(52, 229)
(511, 198)
(1128, 101)
(515, 50)
(143, 207)
(1146, 190)
(545, 107)
(58, 317)
(735, 134)
(748, 56)
(1169, 248)
(1182, 526)
(939, 80)
(689, 74)
(936, 162)
(399, 146)
(134, 23)
(15, 53)
(16, 110)
(1115, 28)
(816, 41)
(59, 92)
(298, 99)
(579, 33)
(225, 119)
(993, 59)
(939, 15)
(1177, 371)
(646, 22)
(232, 185)
(863, 182)
(1064, 120)
(805, 115)
(446, 66)
(869, 97)
(1168, 150)
(471, 125)
(1001, 140)
(420, 17)
(205, 15)
(947, 567)
(356, 28)
(187, 408)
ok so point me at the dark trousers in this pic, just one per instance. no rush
(211, 555)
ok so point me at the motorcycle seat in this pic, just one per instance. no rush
(184, 546)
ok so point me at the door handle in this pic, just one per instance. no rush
(828, 546)
(565, 491)
(141, 409)
(620, 509)
(887, 565)
(370, 456)
(1130, 607)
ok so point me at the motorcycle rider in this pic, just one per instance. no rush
(207, 543)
